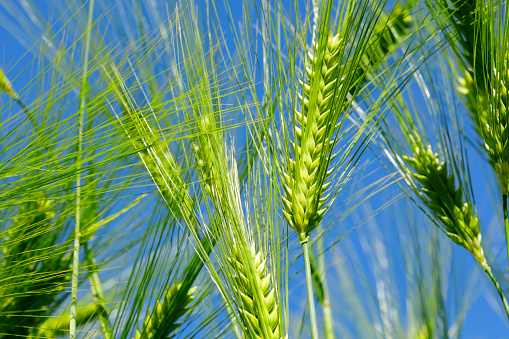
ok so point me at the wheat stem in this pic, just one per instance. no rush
(328, 321)
(97, 292)
(309, 286)
(506, 223)
(499, 290)
(76, 249)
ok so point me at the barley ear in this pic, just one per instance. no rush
(5, 85)
(305, 177)
(389, 33)
(157, 159)
(489, 112)
(260, 316)
(438, 186)
(59, 326)
(163, 320)
(202, 146)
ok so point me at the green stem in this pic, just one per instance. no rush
(499, 290)
(328, 322)
(76, 250)
(506, 223)
(309, 285)
(97, 292)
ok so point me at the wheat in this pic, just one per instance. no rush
(160, 164)
(490, 116)
(32, 277)
(446, 202)
(162, 321)
(5, 85)
(389, 33)
(262, 315)
(304, 181)
(59, 326)
(202, 146)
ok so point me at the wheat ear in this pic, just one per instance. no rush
(163, 320)
(439, 192)
(446, 201)
(252, 283)
(5, 85)
(304, 180)
(32, 277)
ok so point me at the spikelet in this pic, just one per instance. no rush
(305, 178)
(5, 85)
(438, 186)
(163, 320)
(262, 315)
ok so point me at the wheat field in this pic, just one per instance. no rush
(254, 169)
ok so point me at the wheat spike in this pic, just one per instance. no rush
(446, 202)
(260, 314)
(162, 321)
(203, 144)
(304, 181)
(5, 85)
(162, 166)
(490, 116)
(33, 275)
(59, 326)
(389, 32)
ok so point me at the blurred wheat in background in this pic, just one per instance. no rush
(254, 169)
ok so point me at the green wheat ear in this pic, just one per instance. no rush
(5, 85)
(202, 145)
(260, 314)
(59, 326)
(163, 320)
(459, 222)
(31, 273)
(491, 119)
(305, 178)
(160, 163)
(389, 32)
